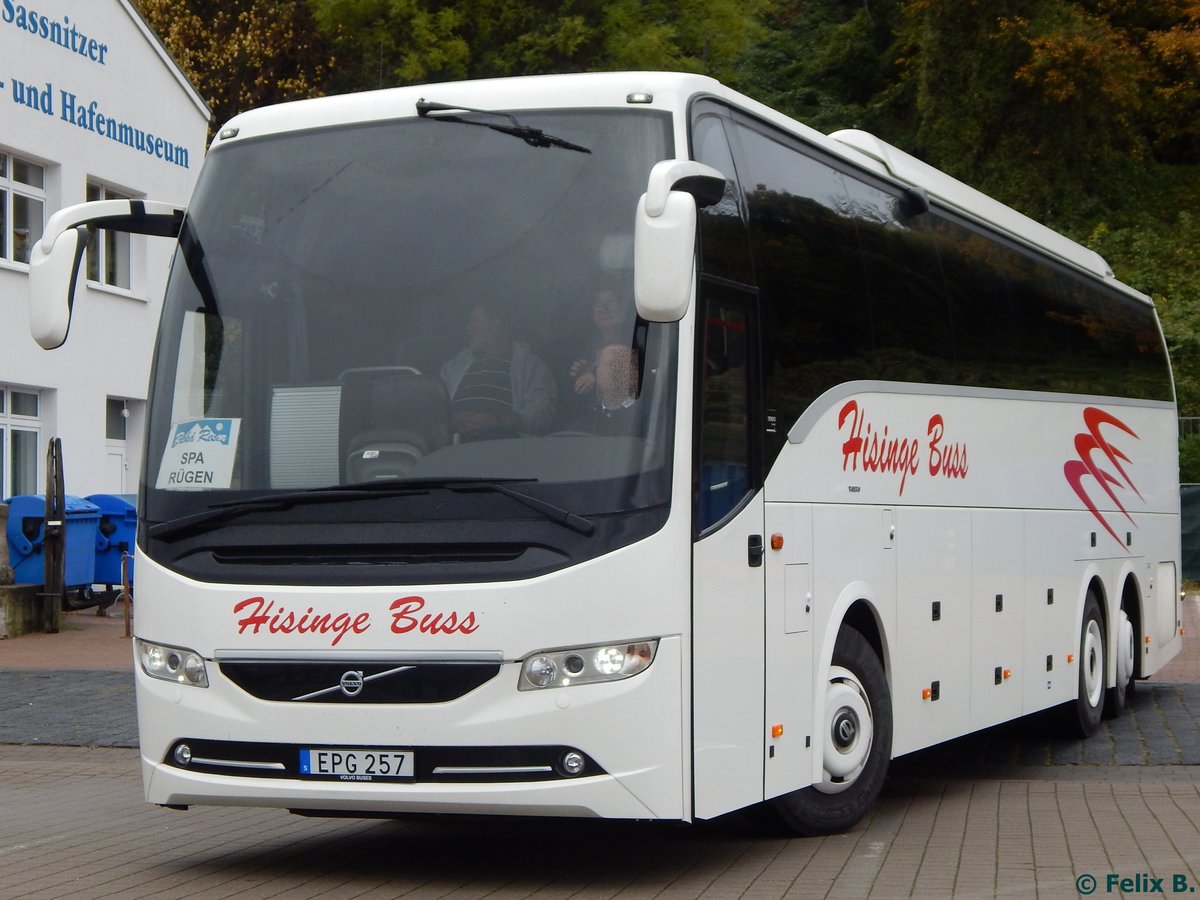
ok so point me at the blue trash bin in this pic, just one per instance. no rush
(115, 535)
(26, 534)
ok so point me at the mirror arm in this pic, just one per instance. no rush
(695, 178)
(133, 216)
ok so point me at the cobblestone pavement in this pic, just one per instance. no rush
(74, 825)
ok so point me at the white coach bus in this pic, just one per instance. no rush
(613, 445)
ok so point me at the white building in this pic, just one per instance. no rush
(91, 107)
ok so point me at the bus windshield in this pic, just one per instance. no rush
(419, 305)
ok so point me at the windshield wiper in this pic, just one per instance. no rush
(563, 517)
(467, 484)
(363, 490)
(231, 509)
(534, 137)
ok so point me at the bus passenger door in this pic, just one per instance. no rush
(728, 581)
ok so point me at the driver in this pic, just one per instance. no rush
(498, 387)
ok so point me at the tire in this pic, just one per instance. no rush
(1118, 695)
(858, 745)
(1084, 714)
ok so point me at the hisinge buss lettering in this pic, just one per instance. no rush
(868, 448)
(259, 615)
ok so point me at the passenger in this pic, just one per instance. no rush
(497, 386)
(612, 315)
(615, 388)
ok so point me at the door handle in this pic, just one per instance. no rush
(754, 550)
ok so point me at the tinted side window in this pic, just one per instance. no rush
(911, 332)
(854, 288)
(726, 437)
(1025, 323)
(816, 313)
(723, 249)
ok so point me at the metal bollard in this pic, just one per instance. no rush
(126, 588)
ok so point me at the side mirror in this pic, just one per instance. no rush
(54, 260)
(664, 241)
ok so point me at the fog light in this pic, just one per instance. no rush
(183, 755)
(572, 762)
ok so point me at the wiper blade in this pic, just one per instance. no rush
(554, 513)
(467, 484)
(534, 137)
(231, 509)
(363, 490)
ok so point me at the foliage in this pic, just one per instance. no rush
(243, 53)
(1189, 460)
(386, 42)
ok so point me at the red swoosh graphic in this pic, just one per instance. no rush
(1076, 470)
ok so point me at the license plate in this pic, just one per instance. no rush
(355, 764)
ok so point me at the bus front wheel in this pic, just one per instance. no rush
(857, 725)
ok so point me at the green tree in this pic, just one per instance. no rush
(243, 53)
(387, 42)
(829, 64)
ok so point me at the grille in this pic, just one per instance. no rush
(348, 681)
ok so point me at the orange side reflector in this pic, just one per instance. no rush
(1008, 673)
(1070, 657)
(777, 541)
(926, 693)
(1147, 639)
(776, 731)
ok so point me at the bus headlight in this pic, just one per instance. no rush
(172, 664)
(586, 665)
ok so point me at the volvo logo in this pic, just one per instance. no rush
(351, 683)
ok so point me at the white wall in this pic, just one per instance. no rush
(131, 79)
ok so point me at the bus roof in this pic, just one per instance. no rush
(668, 91)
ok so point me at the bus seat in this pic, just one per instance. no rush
(390, 418)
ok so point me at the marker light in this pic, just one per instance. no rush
(586, 665)
(172, 664)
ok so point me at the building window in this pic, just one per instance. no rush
(22, 206)
(107, 251)
(20, 438)
(115, 417)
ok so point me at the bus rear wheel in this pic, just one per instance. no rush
(1118, 695)
(1085, 713)
(857, 721)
